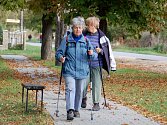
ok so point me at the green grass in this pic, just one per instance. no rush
(141, 88)
(12, 111)
(35, 40)
(31, 51)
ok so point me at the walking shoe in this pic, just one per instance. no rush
(96, 107)
(70, 114)
(83, 104)
(76, 114)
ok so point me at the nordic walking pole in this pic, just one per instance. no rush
(90, 82)
(57, 110)
(91, 97)
(105, 104)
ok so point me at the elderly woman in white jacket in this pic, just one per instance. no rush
(105, 60)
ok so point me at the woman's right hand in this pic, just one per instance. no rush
(90, 52)
(62, 59)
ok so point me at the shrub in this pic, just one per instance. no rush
(132, 43)
(17, 47)
(160, 48)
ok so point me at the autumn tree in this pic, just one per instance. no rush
(43, 8)
(52, 11)
(134, 15)
(14, 5)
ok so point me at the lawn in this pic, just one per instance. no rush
(141, 90)
(12, 111)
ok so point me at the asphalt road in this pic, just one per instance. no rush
(125, 54)
(140, 56)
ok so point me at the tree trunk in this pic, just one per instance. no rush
(59, 35)
(62, 31)
(102, 13)
(46, 48)
(103, 25)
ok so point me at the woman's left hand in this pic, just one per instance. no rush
(98, 50)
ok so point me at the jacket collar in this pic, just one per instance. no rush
(101, 34)
(71, 39)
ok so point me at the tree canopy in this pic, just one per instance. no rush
(134, 15)
(12, 4)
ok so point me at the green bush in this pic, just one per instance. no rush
(160, 48)
(17, 47)
(116, 32)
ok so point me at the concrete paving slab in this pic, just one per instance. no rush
(14, 57)
(117, 115)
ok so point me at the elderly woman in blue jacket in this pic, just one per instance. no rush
(105, 60)
(74, 52)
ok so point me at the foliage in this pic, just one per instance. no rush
(163, 36)
(138, 15)
(47, 7)
(134, 15)
(14, 5)
(116, 32)
(17, 47)
(3, 15)
(32, 21)
(160, 48)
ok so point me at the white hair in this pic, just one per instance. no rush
(78, 21)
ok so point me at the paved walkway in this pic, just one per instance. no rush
(117, 115)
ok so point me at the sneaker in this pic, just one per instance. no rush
(83, 104)
(76, 114)
(96, 107)
(70, 114)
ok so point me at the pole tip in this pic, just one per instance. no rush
(57, 115)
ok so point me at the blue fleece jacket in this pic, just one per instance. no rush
(76, 62)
